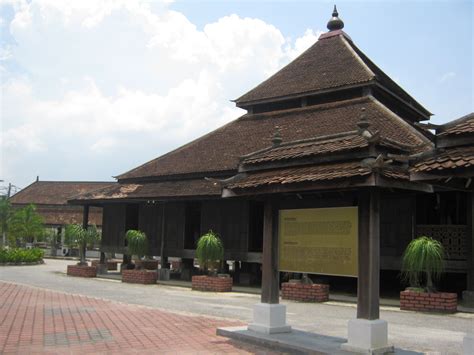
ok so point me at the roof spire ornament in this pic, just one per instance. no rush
(276, 140)
(335, 23)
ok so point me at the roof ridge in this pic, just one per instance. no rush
(350, 45)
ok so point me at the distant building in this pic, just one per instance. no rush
(50, 199)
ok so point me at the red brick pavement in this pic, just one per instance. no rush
(37, 321)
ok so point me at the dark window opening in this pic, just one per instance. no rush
(256, 227)
(192, 228)
(131, 218)
(441, 208)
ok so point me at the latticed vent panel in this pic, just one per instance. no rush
(453, 238)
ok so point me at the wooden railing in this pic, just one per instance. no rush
(453, 237)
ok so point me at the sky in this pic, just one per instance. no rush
(91, 89)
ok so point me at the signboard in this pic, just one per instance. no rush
(319, 241)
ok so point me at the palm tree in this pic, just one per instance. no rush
(209, 252)
(80, 236)
(423, 259)
(26, 224)
(137, 245)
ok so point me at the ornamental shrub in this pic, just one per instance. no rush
(18, 255)
(423, 262)
(209, 252)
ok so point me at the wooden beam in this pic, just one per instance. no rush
(369, 254)
(270, 274)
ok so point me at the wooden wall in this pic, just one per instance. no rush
(113, 228)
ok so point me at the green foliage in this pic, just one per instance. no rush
(26, 225)
(78, 236)
(137, 243)
(5, 215)
(17, 255)
(209, 251)
(423, 260)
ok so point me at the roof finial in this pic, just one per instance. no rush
(335, 23)
(276, 140)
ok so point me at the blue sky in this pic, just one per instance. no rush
(91, 89)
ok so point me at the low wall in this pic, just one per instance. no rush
(82, 270)
(111, 265)
(211, 283)
(148, 264)
(144, 277)
(305, 292)
(428, 302)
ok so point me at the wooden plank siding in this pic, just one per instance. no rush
(113, 228)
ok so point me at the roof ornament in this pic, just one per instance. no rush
(276, 140)
(335, 23)
(364, 125)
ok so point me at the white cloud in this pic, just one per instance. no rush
(111, 84)
(447, 76)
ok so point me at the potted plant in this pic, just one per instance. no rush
(422, 264)
(210, 255)
(81, 237)
(138, 247)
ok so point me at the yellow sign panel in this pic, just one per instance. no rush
(319, 240)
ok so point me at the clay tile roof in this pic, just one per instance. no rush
(313, 173)
(463, 125)
(448, 159)
(162, 189)
(307, 148)
(69, 215)
(54, 192)
(302, 174)
(221, 149)
(332, 62)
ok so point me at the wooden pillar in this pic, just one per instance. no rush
(163, 258)
(470, 240)
(85, 217)
(85, 225)
(270, 274)
(368, 282)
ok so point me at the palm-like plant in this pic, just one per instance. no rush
(423, 259)
(80, 236)
(137, 245)
(26, 224)
(210, 251)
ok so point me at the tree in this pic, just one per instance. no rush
(5, 215)
(423, 259)
(137, 244)
(209, 252)
(76, 235)
(26, 225)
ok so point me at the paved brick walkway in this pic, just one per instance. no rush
(37, 321)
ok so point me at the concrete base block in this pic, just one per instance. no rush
(367, 337)
(269, 319)
(164, 274)
(468, 296)
(102, 269)
(468, 344)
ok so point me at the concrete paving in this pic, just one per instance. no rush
(419, 332)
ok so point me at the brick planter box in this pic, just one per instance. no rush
(304, 292)
(428, 302)
(148, 264)
(111, 265)
(144, 277)
(211, 283)
(82, 270)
